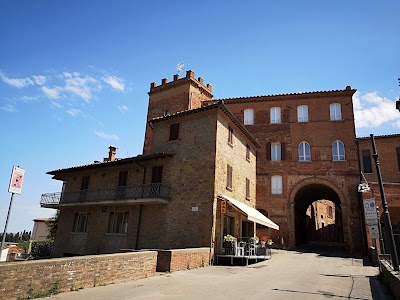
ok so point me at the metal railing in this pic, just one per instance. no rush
(154, 190)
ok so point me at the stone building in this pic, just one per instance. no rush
(168, 198)
(308, 152)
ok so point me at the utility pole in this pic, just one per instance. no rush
(388, 223)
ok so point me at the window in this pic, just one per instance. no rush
(335, 111)
(118, 222)
(166, 113)
(80, 222)
(302, 113)
(330, 212)
(338, 150)
(122, 183)
(366, 158)
(275, 151)
(156, 174)
(304, 151)
(85, 183)
(229, 177)
(174, 132)
(398, 157)
(230, 135)
(275, 115)
(247, 152)
(248, 116)
(247, 189)
(276, 185)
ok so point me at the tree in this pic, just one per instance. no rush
(52, 225)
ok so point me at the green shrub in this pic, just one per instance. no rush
(42, 249)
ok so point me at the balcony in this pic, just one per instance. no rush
(154, 193)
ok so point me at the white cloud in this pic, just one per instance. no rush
(123, 108)
(372, 111)
(74, 112)
(52, 93)
(107, 136)
(56, 104)
(9, 108)
(16, 82)
(115, 82)
(39, 79)
(80, 86)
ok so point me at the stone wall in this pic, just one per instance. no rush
(17, 279)
(182, 259)
(390, 279)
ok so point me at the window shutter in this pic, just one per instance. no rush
(174, 132)
(283, 151)
(268, 151)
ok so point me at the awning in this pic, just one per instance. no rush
(252, 214)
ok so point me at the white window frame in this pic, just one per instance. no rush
(276, 151)
(302, 113)
(338, 151)
(303, 155)
(248, 116)
(276, 185)
(275, 115)
(335, 110)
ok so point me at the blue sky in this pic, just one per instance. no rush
(74, 75)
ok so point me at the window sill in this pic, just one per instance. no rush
(115, 234)
(78, 233)
(338, 120)
(275, 123)
(339, 160)
(230, 144)
(229, 189)
(305, 161)
(248, 159)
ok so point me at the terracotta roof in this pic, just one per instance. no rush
(379, 136)
(218, 105)
(117, 161)
(276, 97)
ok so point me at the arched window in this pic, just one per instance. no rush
(304, 151)
(248, 116)
(302, 113)
(338, 150)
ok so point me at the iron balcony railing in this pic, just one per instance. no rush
(154, 190)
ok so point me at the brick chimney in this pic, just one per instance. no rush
(111, 153)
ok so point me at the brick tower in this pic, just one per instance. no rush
(171, 97)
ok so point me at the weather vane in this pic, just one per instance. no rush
(180, 66)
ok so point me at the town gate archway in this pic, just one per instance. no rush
(312, 201)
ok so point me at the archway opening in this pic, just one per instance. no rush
(318, 216)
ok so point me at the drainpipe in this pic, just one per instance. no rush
(140, 209)
(361, 206)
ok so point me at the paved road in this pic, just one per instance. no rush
(288, 275)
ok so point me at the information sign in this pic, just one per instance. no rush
(17, 178)
(370, 209)
(223, 207)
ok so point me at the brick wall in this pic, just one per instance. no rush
(388, 162)
(74, 273)
(182, 259)
(339, 176)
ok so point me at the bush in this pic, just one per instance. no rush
(42, 249)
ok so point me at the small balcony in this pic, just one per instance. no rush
(154, 193)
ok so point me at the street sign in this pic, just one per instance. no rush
(223, 207)
(16, 180)
(370, 209)
(372, 222)
(374, 232)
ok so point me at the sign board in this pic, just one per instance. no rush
(223, 207)
(195, 208)
(17, 178)
(374, 232)
(370, 209)
(372, 222)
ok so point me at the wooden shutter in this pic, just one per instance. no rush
(283, 151)
(268, 151)
(174, 132)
